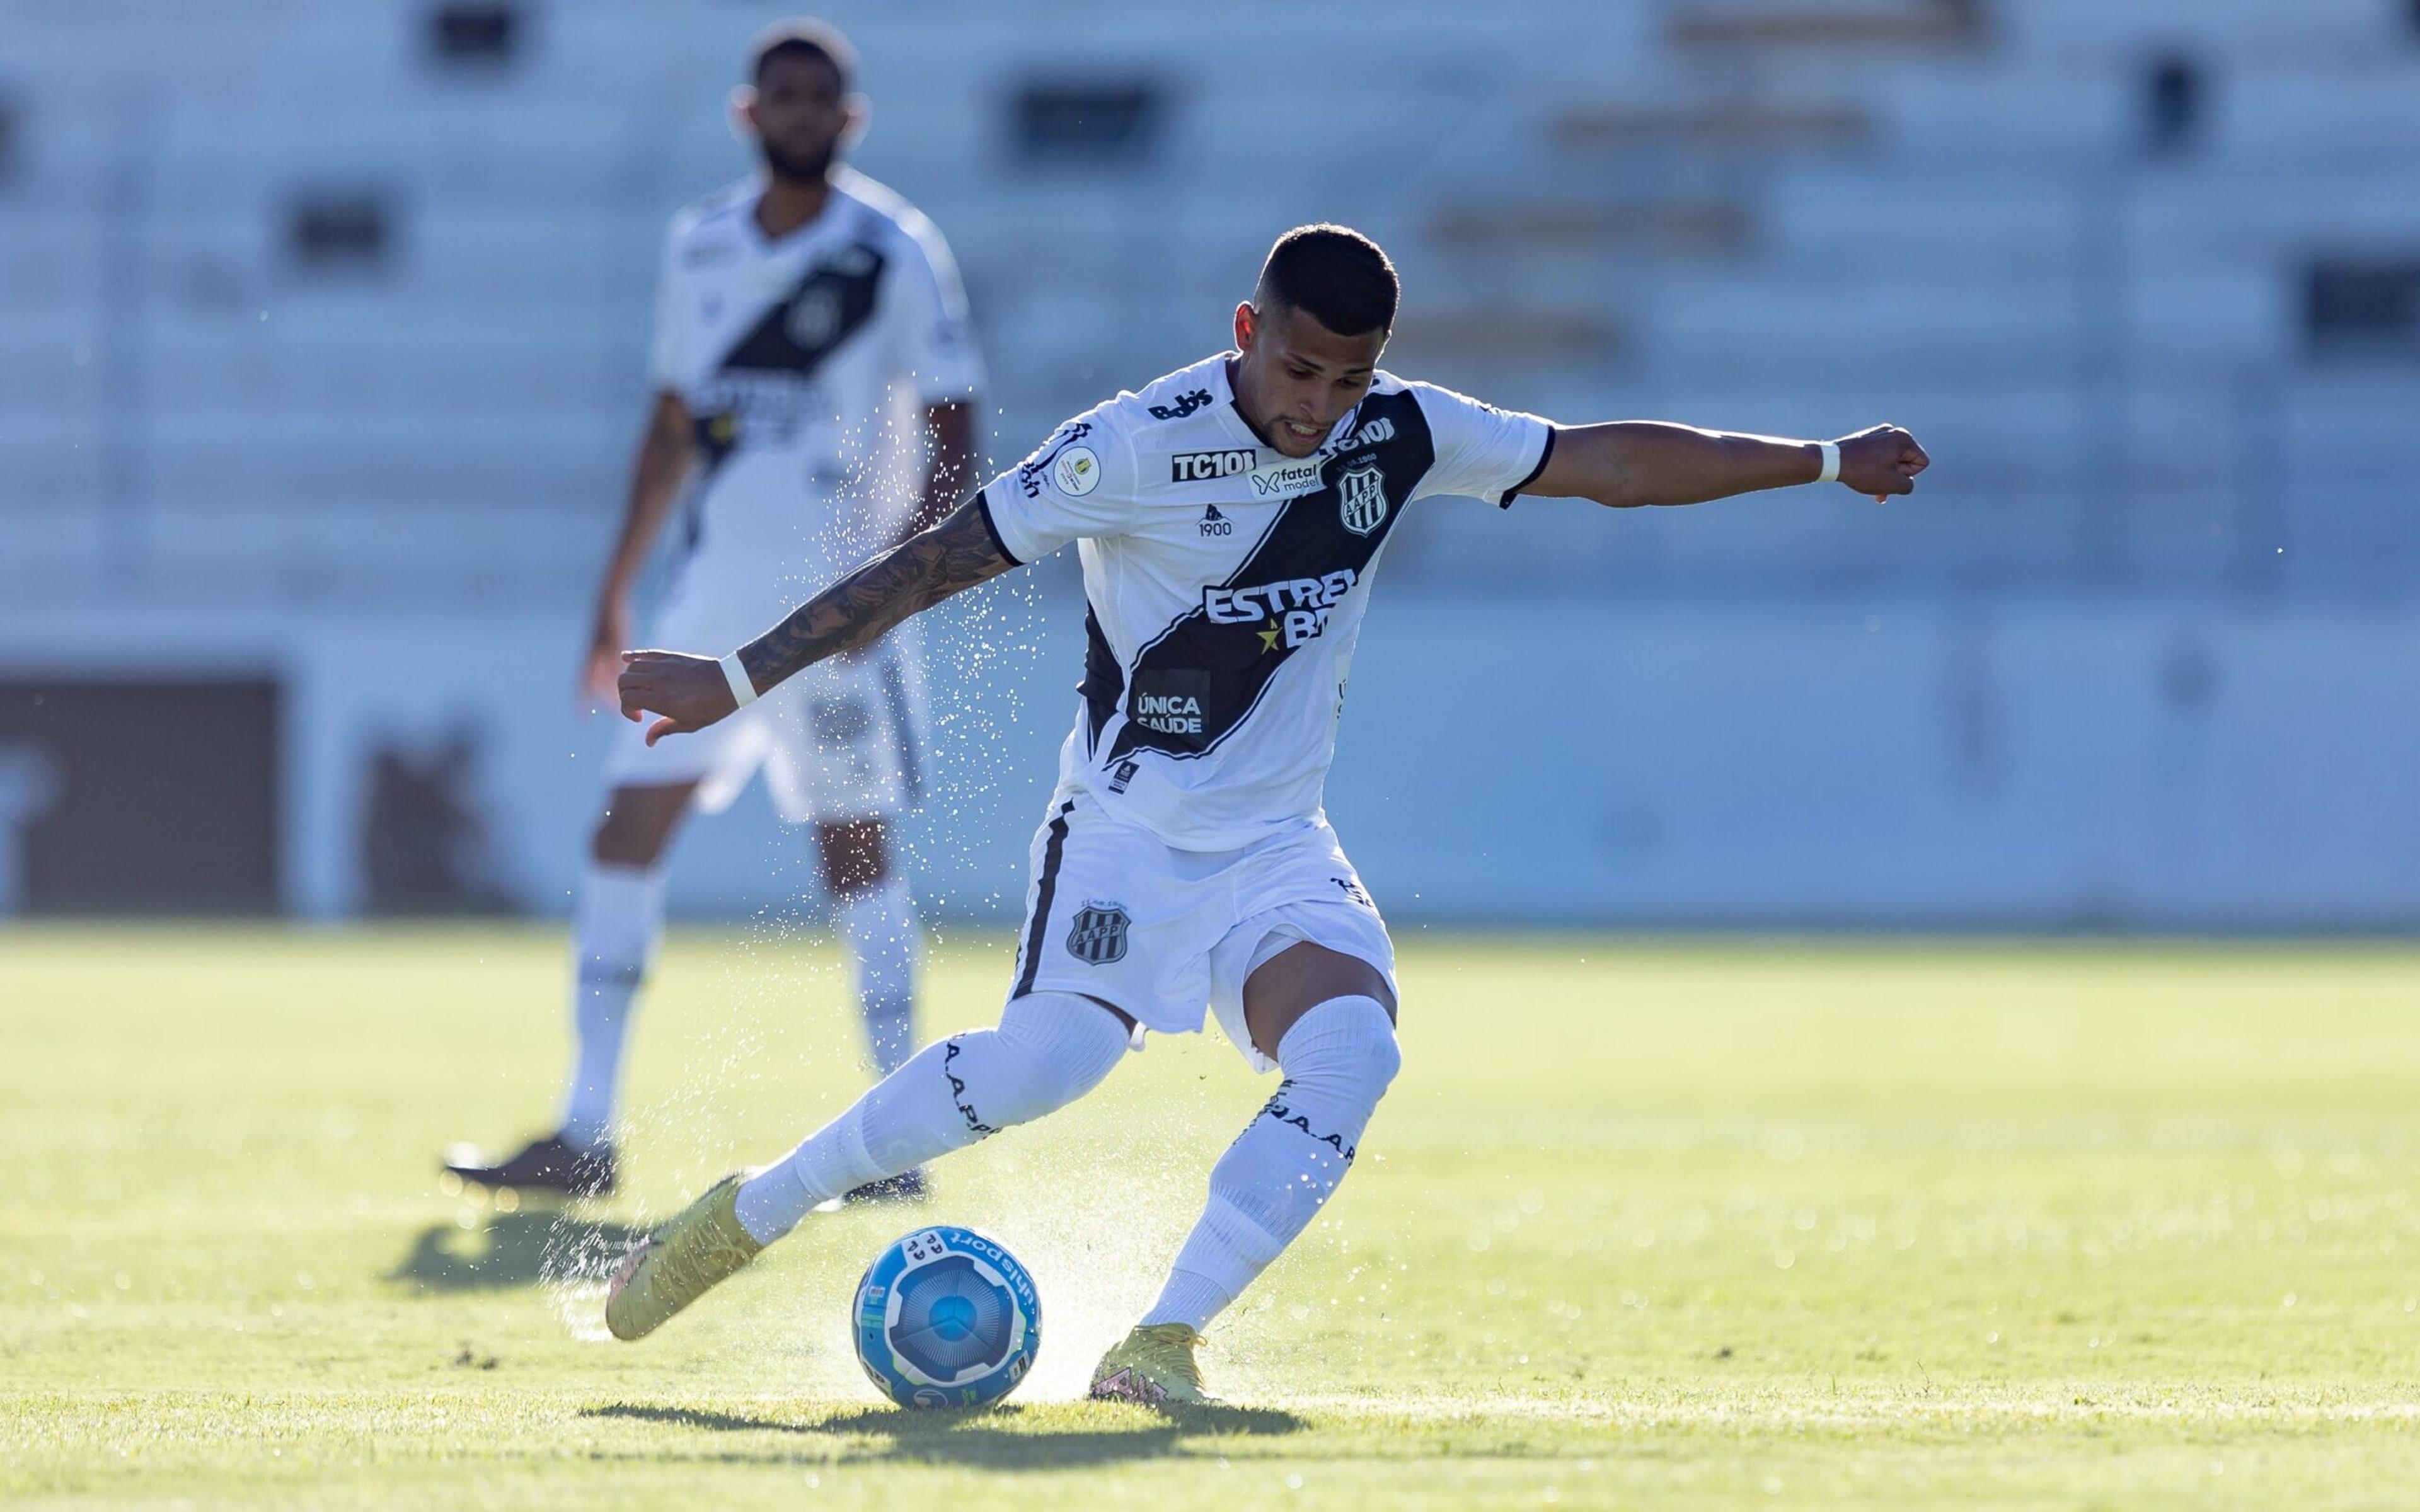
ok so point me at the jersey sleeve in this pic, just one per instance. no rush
(1481, 452)
(667, 363)
(936, 340)
(1080, 482)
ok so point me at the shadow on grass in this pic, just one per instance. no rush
(982, 1435)
(512, 1249)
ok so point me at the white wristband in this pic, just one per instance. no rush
(1831, 473)
(743, 692)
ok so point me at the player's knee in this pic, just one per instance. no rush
(1347, 1041)
(637, 824)
(1050, 1049)
(1386, 1059)
(1377, 1058)
(856, 856)
(622, 845)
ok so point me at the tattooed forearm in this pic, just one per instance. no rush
(913, 576)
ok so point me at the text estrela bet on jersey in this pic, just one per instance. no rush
(1225, 583)
(805, 362)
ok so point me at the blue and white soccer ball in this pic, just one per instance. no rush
(946, 1317)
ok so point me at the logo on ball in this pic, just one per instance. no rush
(946, 1317)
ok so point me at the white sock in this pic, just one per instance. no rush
(620, 913)
(879, 925)
(1338, 1060)
(1050, 1049)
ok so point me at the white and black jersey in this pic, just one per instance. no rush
(806, 363)
(1225, 583)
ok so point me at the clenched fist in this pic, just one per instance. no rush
(691, 692)
(1881, 460)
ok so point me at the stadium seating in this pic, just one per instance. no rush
(1795, 214)
(321, 359)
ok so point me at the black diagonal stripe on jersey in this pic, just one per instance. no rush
(1224, 667)
(794, 336)
(830, 303)
(1104, 682)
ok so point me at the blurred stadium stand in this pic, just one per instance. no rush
(322, 326)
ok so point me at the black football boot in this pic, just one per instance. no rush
(908, 1186)
(545, 1163)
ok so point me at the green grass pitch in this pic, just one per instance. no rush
(1643, 1223)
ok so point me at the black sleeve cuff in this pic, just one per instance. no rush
(1545, 453)
(991, 527)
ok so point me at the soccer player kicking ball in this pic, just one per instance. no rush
(811, 351)
(1229, 517)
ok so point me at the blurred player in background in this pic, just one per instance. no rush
(813, 360)
(1230, 516)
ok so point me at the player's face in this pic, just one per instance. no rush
(798, 112)
(1297, 377)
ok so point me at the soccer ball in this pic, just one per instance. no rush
(946, 1317)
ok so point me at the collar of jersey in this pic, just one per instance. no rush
(798, 236)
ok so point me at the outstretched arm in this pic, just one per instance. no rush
(691, 692)
(1629, 463)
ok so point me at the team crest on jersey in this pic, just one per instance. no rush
(1098, 935)
(1362, 498)
(814, 316)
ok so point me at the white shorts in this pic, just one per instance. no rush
(838, 741)
(1113, 913)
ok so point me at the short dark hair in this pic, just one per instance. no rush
(1333, 273)
(803, 37)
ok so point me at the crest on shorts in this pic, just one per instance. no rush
(1362, 498)
(1098, 935)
